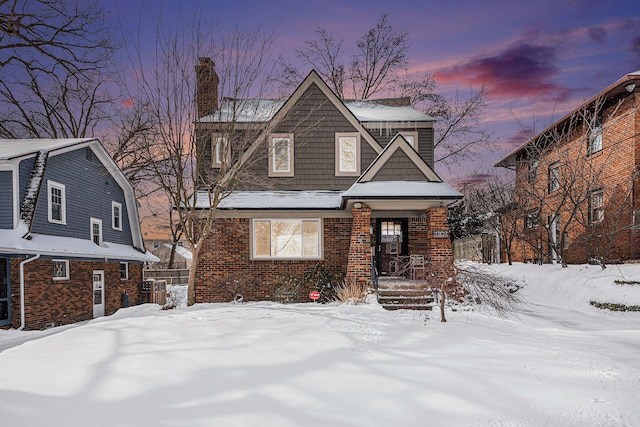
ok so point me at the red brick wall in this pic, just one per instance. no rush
(440, 252)
(614, 239)
(63, 302)
(226, 268)
(359, 266)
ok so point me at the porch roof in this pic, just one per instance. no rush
(417, 190)
(276, 200)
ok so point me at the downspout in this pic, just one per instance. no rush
(28, 260)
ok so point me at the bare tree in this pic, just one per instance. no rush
(168, 89)
(379, 67)
(496, 200)
(55, 58)
(559, 216)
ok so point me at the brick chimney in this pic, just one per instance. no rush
(206, 87)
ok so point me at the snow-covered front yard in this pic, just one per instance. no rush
(558, 362)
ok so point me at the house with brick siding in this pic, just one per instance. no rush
(345, 185)
(70, 240)
(577, 188)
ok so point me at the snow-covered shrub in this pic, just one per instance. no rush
(176, 296)
(489, 290)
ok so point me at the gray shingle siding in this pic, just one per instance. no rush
(6, 200)
(314, 121)
(89, 191)
(425, 139)
(399, 168)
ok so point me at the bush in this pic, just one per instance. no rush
(351, 292)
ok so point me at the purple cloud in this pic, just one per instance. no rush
(597, 34)
(523, 69)
(634, 47)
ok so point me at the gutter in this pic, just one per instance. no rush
(28, 260)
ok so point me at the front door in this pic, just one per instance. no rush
(5, 295)
(392, 246)
(98, 293)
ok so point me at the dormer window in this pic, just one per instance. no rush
(280, 155)
(96, 231)
(347, 154)
(57, 203)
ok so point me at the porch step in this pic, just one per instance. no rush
(406, 299)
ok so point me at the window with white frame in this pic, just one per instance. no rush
(595, 136)
(411, 138)
(554, 177)
(60, 269)
(531, 219)
(281, 155)
(287, 238)
(96, 231)
(57, 202)
(533, 170)
(220, 151)
(348, 154)
(116, 216)
(124, 271)
(597, 206)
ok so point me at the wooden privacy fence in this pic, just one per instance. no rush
(154, 291)
(172, 277)
(480, 248)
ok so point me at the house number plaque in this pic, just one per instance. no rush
(440, 234)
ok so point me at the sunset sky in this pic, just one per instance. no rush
(540, 58)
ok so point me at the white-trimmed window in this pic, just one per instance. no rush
(287, 238)
(116, 216)
(348, 154)
(597, 206)
(531, 219)
(220, 150)
(124, 271)
(56, 202)
(595, 136)
(60, 269)
(554, 177)
(411, 138)
(96, 231)
(533, 170)
(281, 154)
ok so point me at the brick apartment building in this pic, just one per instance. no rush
(577, 182)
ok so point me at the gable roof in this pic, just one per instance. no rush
(16, 148)
(398, 143)
(618, 88)
(432, 188)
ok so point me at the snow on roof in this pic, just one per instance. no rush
(367, 111)
(180, 250)
(263, 110)
(402, 189)
(11, 241)
(12, 148)
(276, 200)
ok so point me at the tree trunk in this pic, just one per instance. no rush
(442, 299)
(191, 288)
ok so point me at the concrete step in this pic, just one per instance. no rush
(407, 306)
(406, 299)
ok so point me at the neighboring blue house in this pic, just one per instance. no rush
(70, 242)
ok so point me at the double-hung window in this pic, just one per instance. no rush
(595, 136)
(533, 171)
(220, 151)
(116, 216)
(96, 231)
(554, 177)
(531, 219)
(287, 238)
(348, 154)
(124, 271)
(281, 155)
(56, 202)
(597, 206)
